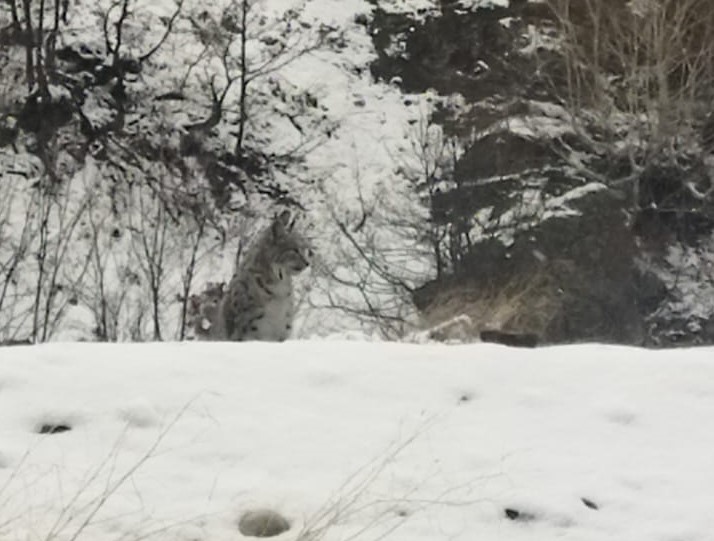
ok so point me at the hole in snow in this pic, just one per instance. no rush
(621, 417)
(52, 428)
(50, 422)
(518, 515)
(262, 523)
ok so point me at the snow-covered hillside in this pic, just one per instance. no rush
(331, 138)
(355, 440)
(434, 151)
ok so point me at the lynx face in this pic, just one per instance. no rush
(290, 250)
(258, 303)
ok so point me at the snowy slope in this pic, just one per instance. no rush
(364, 439)
(345, 174)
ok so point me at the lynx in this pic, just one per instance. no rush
(258, 303)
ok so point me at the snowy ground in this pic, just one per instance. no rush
(415, 442)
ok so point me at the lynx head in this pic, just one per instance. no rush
(291, 252)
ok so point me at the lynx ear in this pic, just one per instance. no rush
(282, 223)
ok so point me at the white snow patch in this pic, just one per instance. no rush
(532, 208)
(538, 40)
(535, 127)
(688, 274)
(582, 442)
(475, 4)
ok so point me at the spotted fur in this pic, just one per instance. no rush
(258, 303)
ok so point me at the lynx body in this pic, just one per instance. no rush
(259, 301)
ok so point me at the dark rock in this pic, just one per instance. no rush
(651, 292)
(79, 59)
(13, 35)
(262, 523)
(676, 200)
(8, 130)
(43, 113)
(522, 340)
(588, 268)
(444, 51)
(502, 153)
(25, 342)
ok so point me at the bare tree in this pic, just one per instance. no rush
(58, 216)
(200, 237)
(39, 22)
(379, 256)
(397, 237)
(250, 48)
(107, 285)
(40, 267)
(639, 74)
(429, 169)
(16, 241)
(150, 236)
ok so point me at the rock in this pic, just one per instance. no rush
(566, 279)
(262, 523)
(522, 340)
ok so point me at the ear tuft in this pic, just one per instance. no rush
(284, 218)
(281, 222)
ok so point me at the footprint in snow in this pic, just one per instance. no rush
(52, 423)
(140, 414)
(53, 428)
(621, 417)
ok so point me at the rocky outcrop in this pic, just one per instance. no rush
(535, 244)
(568, 279)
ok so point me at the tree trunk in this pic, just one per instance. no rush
(242, 104)
(29, 45)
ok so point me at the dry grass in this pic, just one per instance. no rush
(650, 60)
(527, 303)
(361, 512)
(75, 517)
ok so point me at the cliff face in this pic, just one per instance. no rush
(548, 206)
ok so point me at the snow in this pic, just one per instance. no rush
(423, 8)
(365, 439)
(688, 274)
(538, 40)
(476, 4)
(534, 207)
